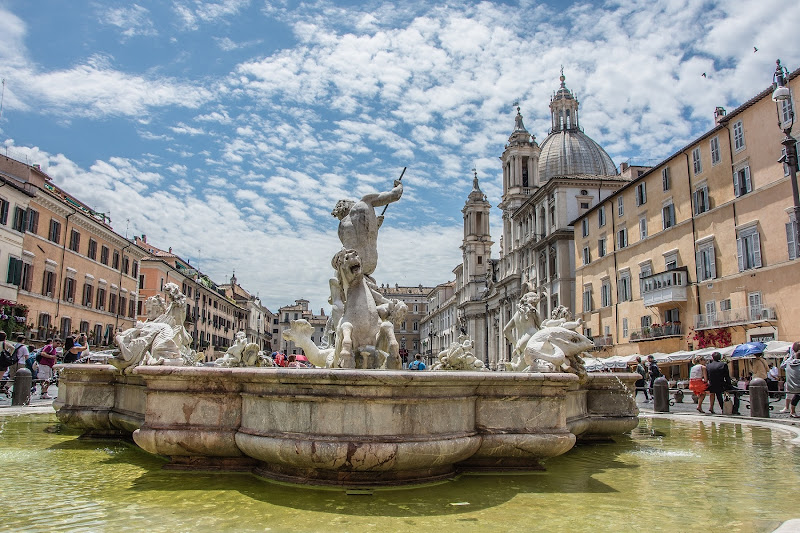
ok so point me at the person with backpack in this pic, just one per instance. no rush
(641, 382)
(417, 363)
(652, 368)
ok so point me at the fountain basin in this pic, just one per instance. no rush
(346, 427)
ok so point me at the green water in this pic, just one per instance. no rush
(668, 476)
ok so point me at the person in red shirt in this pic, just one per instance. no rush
(47, 360)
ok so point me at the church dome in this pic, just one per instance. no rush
(567, 150)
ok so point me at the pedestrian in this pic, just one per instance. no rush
(19, 355)
(293, 362)
(71, 349)
(47, 359)
(417, 363)
(698, 380)
(641, 382)
(773, 376)
(760, 368)
(7, 360)
(653, 370)
(791, 366)
(719, 381)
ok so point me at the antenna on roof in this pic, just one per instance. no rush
(2, 97)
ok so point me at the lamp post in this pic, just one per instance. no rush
(782, 97)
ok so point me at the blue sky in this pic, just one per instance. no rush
(228, 129)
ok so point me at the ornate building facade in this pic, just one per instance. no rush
(545, 188)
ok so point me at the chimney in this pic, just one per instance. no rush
(144, 238)
(170, 249)
(623, 167)
(719, 114)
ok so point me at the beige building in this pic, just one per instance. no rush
(258, 323)
(75, 274)
(440, 326)
(701, 248)
(295, 312)
(408, 332)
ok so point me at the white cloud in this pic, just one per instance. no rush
(133, 20)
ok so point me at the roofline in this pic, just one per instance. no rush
(722, 125)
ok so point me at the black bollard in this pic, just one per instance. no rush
(22, 387)
(759, 398)
(661, 395)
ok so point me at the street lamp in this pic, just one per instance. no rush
(782, 97)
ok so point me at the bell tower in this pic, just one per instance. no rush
(520, 161)
(564, 109)
(476, 247)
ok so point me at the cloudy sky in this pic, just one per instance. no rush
(228, 129)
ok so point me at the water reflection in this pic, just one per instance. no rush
(112, 485)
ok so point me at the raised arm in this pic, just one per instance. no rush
(384, 198)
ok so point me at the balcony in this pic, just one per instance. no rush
(665, 288)
(603, 340)
(735, 317)
(656, 331)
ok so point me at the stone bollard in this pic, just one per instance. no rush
(759, 398)
(22, 387)
(661, 395)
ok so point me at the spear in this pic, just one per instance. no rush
(398, 179)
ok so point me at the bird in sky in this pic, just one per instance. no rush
(755, 49)
(704, 75)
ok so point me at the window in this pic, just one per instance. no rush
(135, 272)
(605, 293)
(697, 165)
(725, 305)
(587, 298)
(670, 260)
(665, 179)
(706, 262)
(19, 220)
(601, 216)
(126, 265)
(646, 321)
(715, 156)
(586, 256)
(69, 289)
(641, 194)
(620, 206)
(791, 240)
(672, 315)
(55, 231)
(112, 302)
(91, 253)
(624, 327)
(585, 226)
(601, 247)
(101, 298)
(748, 247)
(4, 205)
(14, 276)
(88, 291)
(738, 136)
(711, 312)
(741, 181)
(74, 240)
(668, 215)
(115, 261)
(701, 202)
(27, 277)
(786, 111)
(104, 255)
(642, 228)
(624, 288)
(755, 305)
(48, 283)
(622, 238)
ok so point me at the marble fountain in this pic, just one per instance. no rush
(357, 419)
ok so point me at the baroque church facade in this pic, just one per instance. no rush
(545, 188)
